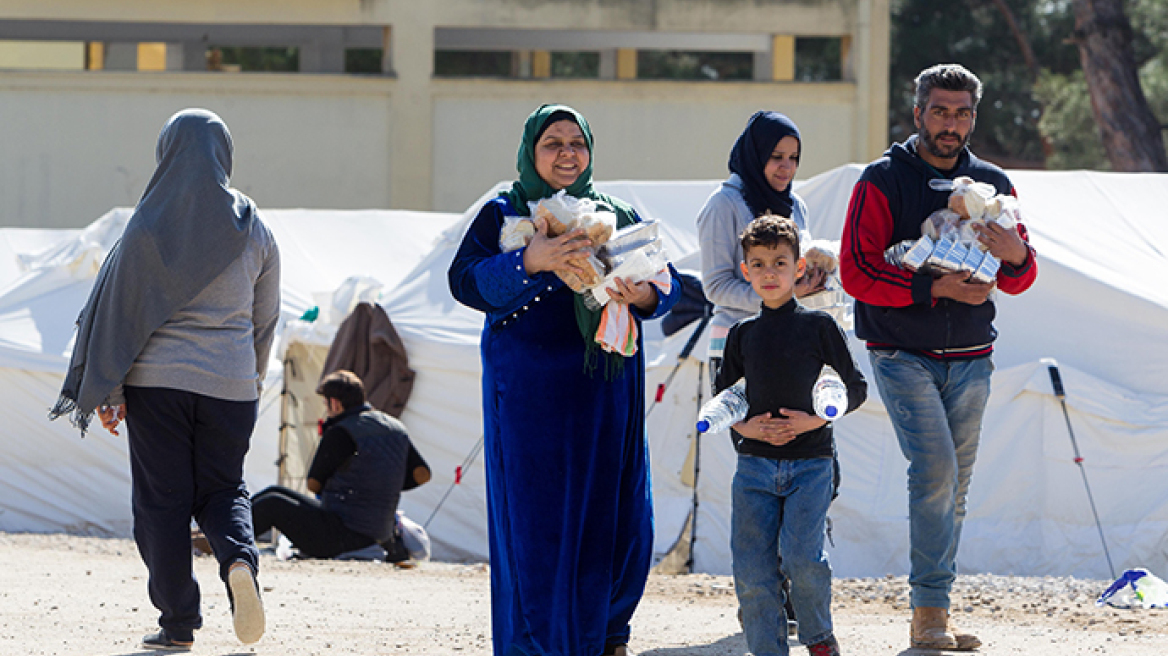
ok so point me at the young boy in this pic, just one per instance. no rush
(784, 481)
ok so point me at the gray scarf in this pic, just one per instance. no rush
(187, 228)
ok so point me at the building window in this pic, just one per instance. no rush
(363, 60)
(576, 64)
(267, 60)
(683, 65)
(473, 63)
(818, 59)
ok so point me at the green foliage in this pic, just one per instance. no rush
(817, 59)
(1023, 120)
(269, 60)
(1069, 124)
(576, 64)
(975, 34)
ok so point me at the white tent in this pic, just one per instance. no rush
(50, 479)
(1095, 308)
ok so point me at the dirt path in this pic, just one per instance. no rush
(87, 596)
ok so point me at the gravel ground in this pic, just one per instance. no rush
(87, 596)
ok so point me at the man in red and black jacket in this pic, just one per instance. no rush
(930, 339)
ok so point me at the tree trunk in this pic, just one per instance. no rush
(1131, 134)
(1019, 37)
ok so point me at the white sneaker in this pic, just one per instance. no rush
(247, 610)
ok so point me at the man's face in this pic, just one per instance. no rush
(945, 123)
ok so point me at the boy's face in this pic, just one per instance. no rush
(772, 272)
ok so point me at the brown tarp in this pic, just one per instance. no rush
(367, 345)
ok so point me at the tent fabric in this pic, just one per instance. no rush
(1085, 295)
(1097, 308)
(52, 480)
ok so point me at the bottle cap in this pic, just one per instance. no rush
(831, 411)
(703, 426)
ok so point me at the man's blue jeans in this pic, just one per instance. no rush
(936, 407)
(781, 502)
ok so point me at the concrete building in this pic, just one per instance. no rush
(85, 87)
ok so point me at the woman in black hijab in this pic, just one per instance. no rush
(762, 165)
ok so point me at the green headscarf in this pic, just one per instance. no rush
(531, 187)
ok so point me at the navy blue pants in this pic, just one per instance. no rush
(186, 460)
(316, 532)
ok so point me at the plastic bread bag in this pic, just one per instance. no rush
(967, 234)
(822, 254)
(516, 233)
(911, 254)
(966, 197)
(598, 226)
(564, 213)
(561, 211)
(636, 265)
(593, 274)
(895, 253)
(1008, 212)
(941, 223)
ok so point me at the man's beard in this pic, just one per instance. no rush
(936, 150)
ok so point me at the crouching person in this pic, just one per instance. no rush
(362, 464)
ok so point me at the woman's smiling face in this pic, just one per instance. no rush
(780, 167)
(561, 154)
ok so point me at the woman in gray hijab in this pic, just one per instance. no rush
(175, 339)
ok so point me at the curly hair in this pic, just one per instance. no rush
(768, 231)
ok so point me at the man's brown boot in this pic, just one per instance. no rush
(965, 641)
(930, 629)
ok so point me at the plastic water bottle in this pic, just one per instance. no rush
(830, 394)
(724, 410)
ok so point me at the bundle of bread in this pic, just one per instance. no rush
(949, 242)
(564, 213)
(822, 255)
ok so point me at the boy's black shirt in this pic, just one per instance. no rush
(780, 352)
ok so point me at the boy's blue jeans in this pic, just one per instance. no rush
(781, 502)
(936, 408)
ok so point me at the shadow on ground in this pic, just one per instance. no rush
(733, 645)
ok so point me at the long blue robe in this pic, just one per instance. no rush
(568, 492)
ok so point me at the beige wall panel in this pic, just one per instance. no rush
(42, 55)
(77, 145)
(205, 11)
(807, 16)
(804, 16)
(647, 131)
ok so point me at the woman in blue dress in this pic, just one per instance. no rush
(568, 496)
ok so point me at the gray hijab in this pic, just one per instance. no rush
(187, 228)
